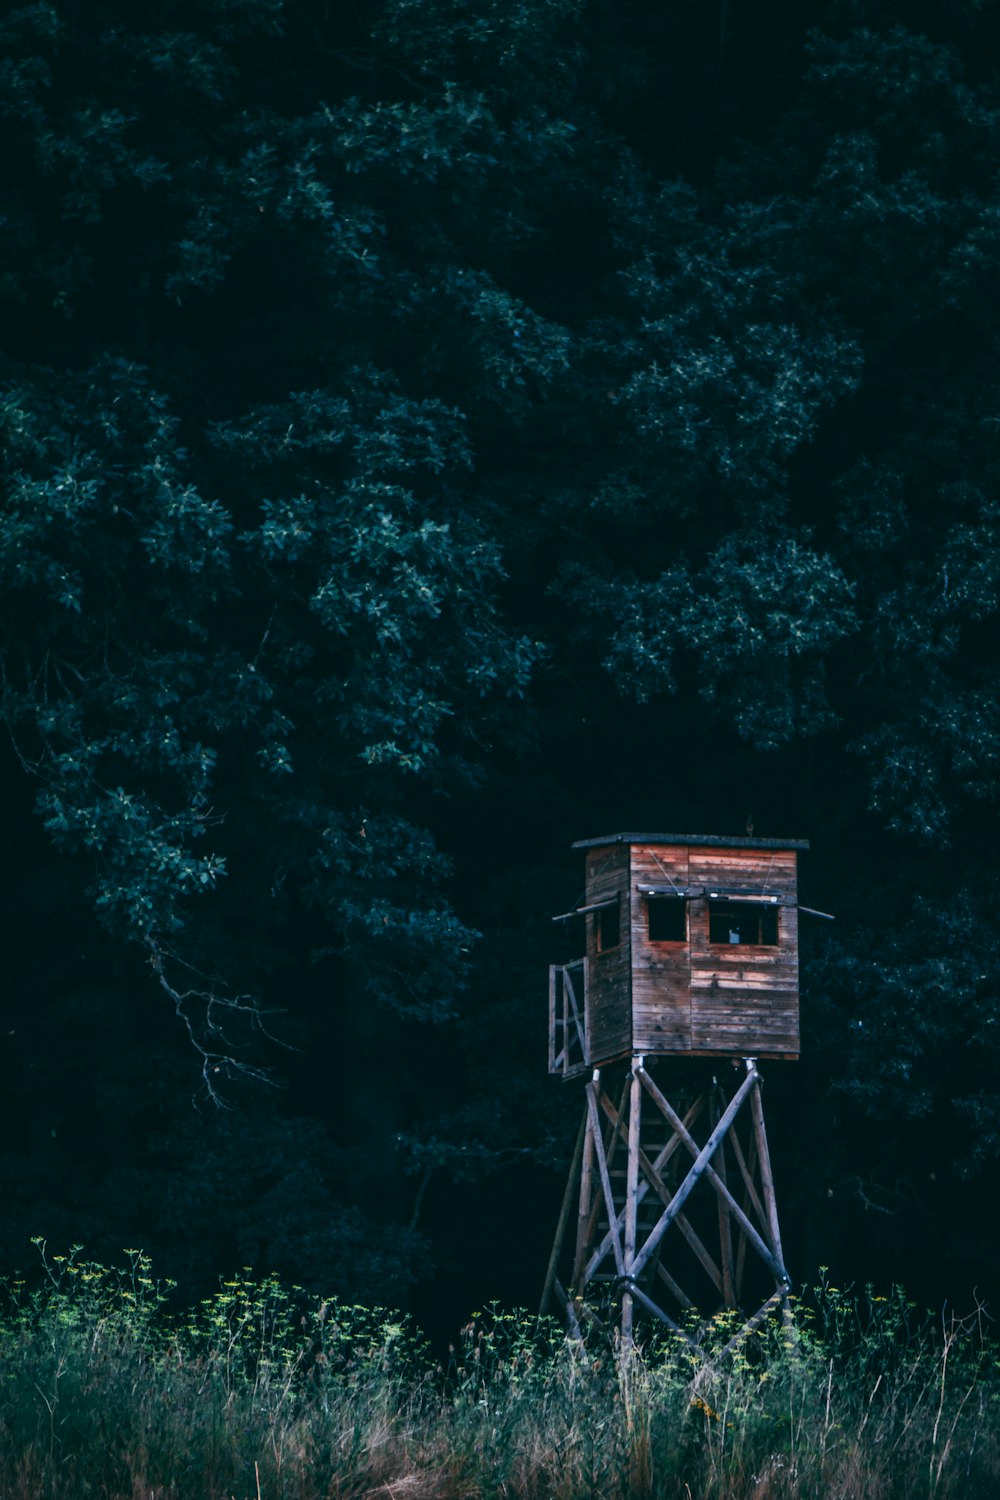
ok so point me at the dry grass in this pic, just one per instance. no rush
(444, 1483)
(262, 1395)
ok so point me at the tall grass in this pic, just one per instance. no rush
(263, 1392)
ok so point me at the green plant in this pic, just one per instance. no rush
(262, 1390)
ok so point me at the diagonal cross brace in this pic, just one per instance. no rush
(695, 1173)
(569, 990)
(701, 1166)
(651, 1171)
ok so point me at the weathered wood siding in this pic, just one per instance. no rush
(690, 995)
(744, 997)
(661, 971)
(609, 990)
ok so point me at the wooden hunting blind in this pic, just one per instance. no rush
(691, 949)
(690, 962)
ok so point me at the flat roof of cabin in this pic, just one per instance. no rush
(713, 840)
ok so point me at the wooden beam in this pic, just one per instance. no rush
(602, 1168)
(704, 1257)
(696, 1172)
(751, 1325)
(749, 1166)
(674, 1287)
(766, 1175)
(701, 1162)
(654, 1180)
(746, 1172)
(631, 1196)
(651, 1169)
(569, 1311)
(688, 1232)
(650, 1174)
(725, 1232)
(564, 1212)
(615, 1136)
(657, 1311)
(552, 1018)
(586, 1197)
(663, 1193)
(774, 1265)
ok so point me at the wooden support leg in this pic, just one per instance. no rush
(617, 1246)
(766, 1176)
(674, 1287)
(586, 1203)
(747, 1166)
(568, 1310)
(631, 1198)
(722, 1209)
(605, 1177)
(696, 1171)
(564, 1213)
(611, 1146)
(702, 1167)
(651, 1180)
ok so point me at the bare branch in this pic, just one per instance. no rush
(218, 1065)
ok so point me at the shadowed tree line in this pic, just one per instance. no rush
(432, 433)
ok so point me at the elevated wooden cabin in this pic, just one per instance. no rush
(691, 949)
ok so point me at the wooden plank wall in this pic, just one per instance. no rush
(661, 972)
(745, 999)
(609, 991)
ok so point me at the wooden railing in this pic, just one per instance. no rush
(568, 1050)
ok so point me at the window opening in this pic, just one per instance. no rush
(667, 921)
(607, 927)
(743, 922)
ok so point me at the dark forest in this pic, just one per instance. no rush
(435, 431)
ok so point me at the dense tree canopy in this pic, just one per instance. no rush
(432, 432)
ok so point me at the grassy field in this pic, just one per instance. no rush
(264, 1392)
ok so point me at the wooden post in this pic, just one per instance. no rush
(564, 1212)
(586, 1198)
(651, 1306)
(586, 1011)
(552, 1018)
(722, 1208)
(652, 1181)
(569, 1311)
(747, 1167)
(674, 1287)
(631, 1198)
(763, 1250)
(764, 1158)
(614, 1137)
(605, 1176)
(613, 1247)
(696, 1171)
(752, 1324)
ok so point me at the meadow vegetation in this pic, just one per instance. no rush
(261, 1391)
